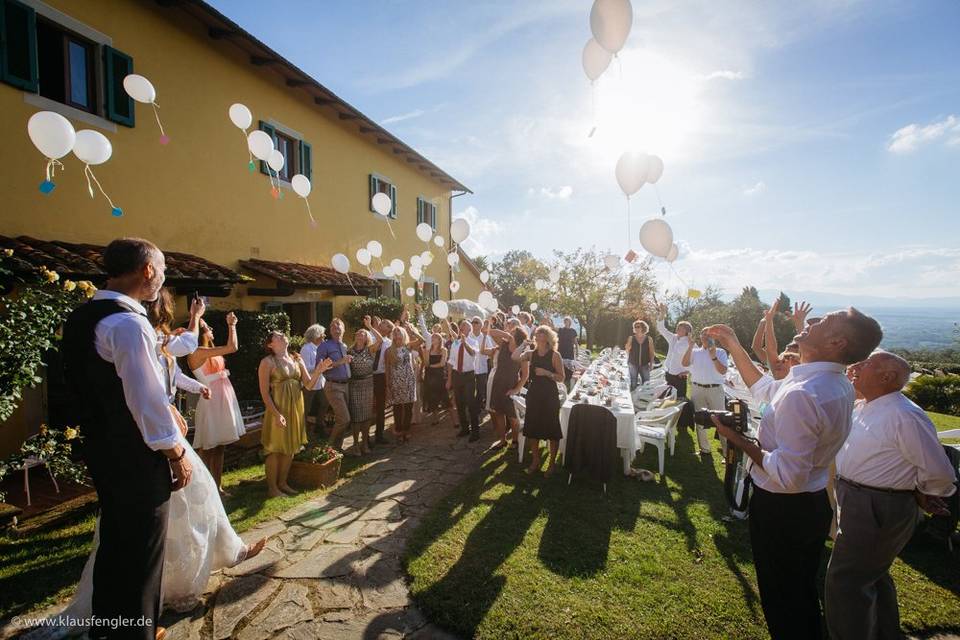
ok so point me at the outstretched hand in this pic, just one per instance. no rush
(722, 334)
(799, 315)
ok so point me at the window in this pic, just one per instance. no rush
(429, 292)
(65, 64)
(390, 289)
(379, 184)
(427, 212)
(297, 154)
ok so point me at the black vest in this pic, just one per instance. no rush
(124, 469)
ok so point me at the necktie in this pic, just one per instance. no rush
(460, 358)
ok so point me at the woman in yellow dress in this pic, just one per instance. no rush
(281, 376)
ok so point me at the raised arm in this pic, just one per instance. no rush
(521, 353)
(756, 345)
(686, 356)
(377, 337)
(770, 348)
(668, 335)
(415, 338)
(728, 339)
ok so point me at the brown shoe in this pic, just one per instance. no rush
(161, 633)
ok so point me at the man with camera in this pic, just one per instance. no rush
(805, 424)
(891, 460)
(708, 366)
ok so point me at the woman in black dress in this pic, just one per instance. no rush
(542, 419)
(434, 378)
(508, 379)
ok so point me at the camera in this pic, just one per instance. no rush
(736, 416)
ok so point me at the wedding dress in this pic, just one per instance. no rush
(199, 540)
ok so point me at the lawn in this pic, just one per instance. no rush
(510, 556)
(944, 422)
(41, 567)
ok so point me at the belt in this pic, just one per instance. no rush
(705, 386)
(361, 377)
(857, 485)
(344, 381)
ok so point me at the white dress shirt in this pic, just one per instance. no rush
(702, 368)
(805, 424)
(309, 354)
(180, 346)
(677, 346)
(469, 361)
(893, 445)
(482, 363)
(129, 342)
(383, 356)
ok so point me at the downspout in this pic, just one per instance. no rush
(449, 238)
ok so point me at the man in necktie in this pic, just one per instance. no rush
(462, 380)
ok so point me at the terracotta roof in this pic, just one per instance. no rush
(220, 27)
(309, 276)
(85, 262)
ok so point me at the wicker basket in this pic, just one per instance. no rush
(311, 475)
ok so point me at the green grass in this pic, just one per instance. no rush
(42, 567)
(943, 422)
(510, 556)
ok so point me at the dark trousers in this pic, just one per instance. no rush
(380, 401)
(128, 569)
(481, 381)
(787, 533)
(465, 392)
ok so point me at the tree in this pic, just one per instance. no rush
(482, 262)
(515, 274)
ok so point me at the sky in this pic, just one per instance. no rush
(807, 145)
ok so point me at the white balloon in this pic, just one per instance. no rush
(440, 309)
(415, 272)
(595, 59)
(424, 231)
(411, 292)
(484, 276)
(459, 230)
(674, 253)
(611, 261)
(51, 133)
(610, 22)
(375, 248)
(275, 160)
(427, 258)
(363, 256)
(494, 305)
(631, 171)
(340, 262)
(397, 266)
(260, 144)
(439, 241)
(92, 147)
(454, 286)
(554, 276)
(484, 299)
(654, 169)
(387, 271)
(656, 236)
(453, 259)
(301, 185)
(240, 116)
(416, 260)
(534, 306)
(515, 309)
(139, 88)
(382, 204)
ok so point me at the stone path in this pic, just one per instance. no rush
(331, 567)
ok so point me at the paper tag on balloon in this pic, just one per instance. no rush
(693, 293)
(631, 256)
(46, 187)
(251, 167)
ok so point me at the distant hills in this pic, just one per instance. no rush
(837, 300)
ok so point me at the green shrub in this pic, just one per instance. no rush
(252, 329)
(936, 393)
(946, 367)
(384, 307)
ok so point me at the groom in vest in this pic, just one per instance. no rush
(130, 437)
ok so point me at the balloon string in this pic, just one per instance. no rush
(390, 226)
(629, 236)
(313, 221)
(156, 114)
(663, 209)
(682, 281)
(52, 164)
(351, 283)
(90, 176)
(593, 108)
(249, 153)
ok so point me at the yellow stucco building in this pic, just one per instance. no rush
(196, 196)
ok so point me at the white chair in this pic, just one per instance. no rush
(949, 433)
(521, 404)
(30, 463)
(659, 431)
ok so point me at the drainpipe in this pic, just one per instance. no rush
(450, 239)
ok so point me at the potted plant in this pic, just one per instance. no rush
(318, 465)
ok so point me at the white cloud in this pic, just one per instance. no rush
(725, 74)
(756, 189)
(482, 232)
(911, 137)
(416, 113)
(562, 193)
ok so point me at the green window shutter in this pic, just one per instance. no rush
(433, 216)
(393, 202)
(18, 45)
(374, 188)
(306, 159)
(420, 204)
(270, 131)
(436, 291)
(119, 106)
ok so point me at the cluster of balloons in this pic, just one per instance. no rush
(55, 137)
(610, 23)
(637, 169)
(143, 91)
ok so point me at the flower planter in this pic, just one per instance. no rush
(313, 475)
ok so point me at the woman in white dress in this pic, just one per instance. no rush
(218, 421)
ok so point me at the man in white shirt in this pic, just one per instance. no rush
(380, 381)
(131, 439)
(891, 460)
(708, 366)
(481, 366)
(461, 378)
(803, 427)
(677, 343)
(314, 400)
